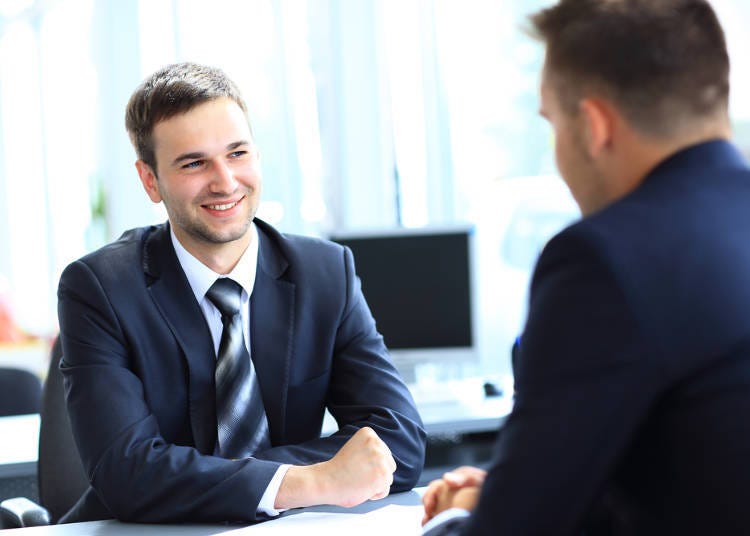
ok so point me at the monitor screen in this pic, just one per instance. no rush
(418, 284)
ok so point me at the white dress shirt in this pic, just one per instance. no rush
(201, 277)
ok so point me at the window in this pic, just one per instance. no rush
(368, 113)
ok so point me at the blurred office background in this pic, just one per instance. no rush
(369, 114)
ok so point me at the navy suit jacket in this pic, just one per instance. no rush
(633, 377)
(138, 362)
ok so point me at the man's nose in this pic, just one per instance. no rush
(223, 180)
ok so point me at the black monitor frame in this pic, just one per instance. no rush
(384, 261)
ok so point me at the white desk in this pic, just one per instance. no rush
(460, 406)
(19, 447)
(399, 514)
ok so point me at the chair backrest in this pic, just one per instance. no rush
(20, 392)
(62, 479)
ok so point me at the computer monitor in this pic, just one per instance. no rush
(419, 284)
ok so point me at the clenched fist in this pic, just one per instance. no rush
(362, 469)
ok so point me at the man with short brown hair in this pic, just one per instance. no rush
(633, 373)
(199, 355)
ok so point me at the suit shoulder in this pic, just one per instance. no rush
(303, 259)
(295, 247)
(608, 234)
(576, 239)
(316, 258)
(120, 255)
(313, 244)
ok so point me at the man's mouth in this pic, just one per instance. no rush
(225, 206)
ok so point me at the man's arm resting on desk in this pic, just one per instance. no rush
(363, 469)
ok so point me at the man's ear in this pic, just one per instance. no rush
(148, 179)
(598, 119)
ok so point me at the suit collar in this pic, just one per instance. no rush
(711, 154)
(174, 298)
(272, 310)
(272, 258)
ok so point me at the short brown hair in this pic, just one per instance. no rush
(170, 91)
(662, 62)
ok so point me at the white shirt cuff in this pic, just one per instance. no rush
(265, 506)
(442, 517)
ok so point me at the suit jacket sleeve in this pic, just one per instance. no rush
(364, 389)
(136, 473)
(583, 383)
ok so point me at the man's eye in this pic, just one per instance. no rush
(237, 154)
(192, 165)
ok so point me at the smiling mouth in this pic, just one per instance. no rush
(225, 206)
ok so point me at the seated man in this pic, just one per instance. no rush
(199, 355)
(633, 375)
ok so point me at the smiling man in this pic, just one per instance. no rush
(199, 355)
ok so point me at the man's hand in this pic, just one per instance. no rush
(459, 488)
(362, 469)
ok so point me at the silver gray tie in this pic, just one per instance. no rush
(240, 415)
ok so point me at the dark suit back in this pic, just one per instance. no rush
(633, 376)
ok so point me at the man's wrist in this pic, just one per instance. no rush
(302, 485)
(268, 500)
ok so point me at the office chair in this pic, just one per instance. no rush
(60, 473)
(20, 392)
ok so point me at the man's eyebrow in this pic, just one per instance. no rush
(236, 144)
(188, 156)
(199, 155)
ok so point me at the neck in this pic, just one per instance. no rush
(219, 257)
(640, 154)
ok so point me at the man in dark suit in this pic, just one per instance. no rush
(167, 362)
(633, 375)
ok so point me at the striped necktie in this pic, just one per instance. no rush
(240, 415)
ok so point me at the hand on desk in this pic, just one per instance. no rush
(459, 488)
(362, 469)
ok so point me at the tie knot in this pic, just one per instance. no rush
(225, 295)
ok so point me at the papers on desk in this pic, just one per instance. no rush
(391, 519)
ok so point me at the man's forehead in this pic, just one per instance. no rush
(202, 134)
(217, 113)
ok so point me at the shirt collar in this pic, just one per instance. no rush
(201, 277)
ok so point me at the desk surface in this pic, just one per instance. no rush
(398, 514)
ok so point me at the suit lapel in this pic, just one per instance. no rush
(272, 329)
(175, 300)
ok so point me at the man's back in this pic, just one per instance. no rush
(678, 250)
(633, 376)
